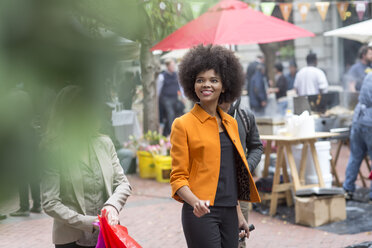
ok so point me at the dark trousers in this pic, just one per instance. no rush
(24, 194)
(218, 229)
(73, 245)
(360, 146)
(171, 108)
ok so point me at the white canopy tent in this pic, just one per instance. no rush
(361, 32)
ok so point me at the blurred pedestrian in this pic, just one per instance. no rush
(360, 137)
(291, 75)
(23, 144)
(169, 92)
(359, 70)
(257, 91)
(250, 140)
(251, 69)
(280, 88)
(82, 174)
(209, 169)
(311, 80)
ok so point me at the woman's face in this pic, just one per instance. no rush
(208, 86)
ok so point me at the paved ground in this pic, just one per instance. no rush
(153, 219)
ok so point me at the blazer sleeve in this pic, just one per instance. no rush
(180, 158)
(121, 187)
(53, 206)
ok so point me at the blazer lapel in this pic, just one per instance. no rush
(105, 164)
(77, 183)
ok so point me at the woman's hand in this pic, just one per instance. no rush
(95, 226)
(243, 224)
(112, 214)
(244, 228)
(201, 208)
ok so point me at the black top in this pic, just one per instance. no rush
(227, 188)
(282, 84)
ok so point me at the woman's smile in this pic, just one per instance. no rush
(207, 92)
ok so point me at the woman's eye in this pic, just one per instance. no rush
(199, 80)
(214, 81)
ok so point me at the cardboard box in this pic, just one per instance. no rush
(319, 210)
(269, 126)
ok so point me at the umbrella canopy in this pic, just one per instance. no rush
(231, 22)
(176, 54)
(361, 32)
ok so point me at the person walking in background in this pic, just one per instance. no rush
(280, 88)
(23, 143)
(359, 70)
(82, 175)
(251, 69)
(209, 169)
(291, 75)
(257, 91)
(360, 137)
(311, 80)
(250, 139)
(169, 92)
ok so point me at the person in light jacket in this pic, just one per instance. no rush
(210, 172)
(82, 174)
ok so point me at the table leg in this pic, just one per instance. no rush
(267, 159)
(361, 174)
(292, 166)
(303, 163)
(340, 143)
(334, 163)
(288, 193)
(367, 163)
(316, 164)
(362, 178)
(276, 181)
(334, 172)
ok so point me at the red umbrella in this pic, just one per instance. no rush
(231, 22)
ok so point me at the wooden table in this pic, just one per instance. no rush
(284, 143)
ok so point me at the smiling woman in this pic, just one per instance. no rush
(209, 169)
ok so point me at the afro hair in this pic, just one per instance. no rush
(222, 61)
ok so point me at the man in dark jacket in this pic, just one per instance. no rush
(251, 69)
(250, 139)
(169, 92)
(257, 91)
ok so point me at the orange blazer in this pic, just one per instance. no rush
(196, 155)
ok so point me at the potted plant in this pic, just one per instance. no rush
(152, 149)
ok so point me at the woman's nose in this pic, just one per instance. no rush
(207, 83)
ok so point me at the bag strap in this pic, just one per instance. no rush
(245, 118)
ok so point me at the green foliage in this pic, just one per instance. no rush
(166, 16)
(286, 52)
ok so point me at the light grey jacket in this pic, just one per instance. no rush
(63, 192)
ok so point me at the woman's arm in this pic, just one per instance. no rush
(254, 144)
(121, 188)
(201, 207)
(54, 207)
(181, 170)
